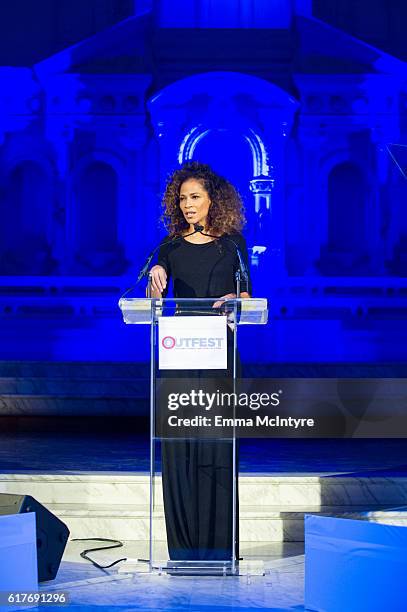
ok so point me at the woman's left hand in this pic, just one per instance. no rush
(228, 296)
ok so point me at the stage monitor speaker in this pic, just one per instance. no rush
(52, 534)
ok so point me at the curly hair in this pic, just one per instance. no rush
(226, 212)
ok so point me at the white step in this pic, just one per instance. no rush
(266, 490)
(116, 505)
(270, 524)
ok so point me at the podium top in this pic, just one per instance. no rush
(245, 311)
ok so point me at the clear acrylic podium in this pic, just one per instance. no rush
(193, 505)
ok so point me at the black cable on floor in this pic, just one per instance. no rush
(84, 553)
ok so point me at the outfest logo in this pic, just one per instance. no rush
(168, 342)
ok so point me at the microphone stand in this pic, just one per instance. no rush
(148, 290)
(237, 278)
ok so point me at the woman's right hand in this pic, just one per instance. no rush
(158, 279)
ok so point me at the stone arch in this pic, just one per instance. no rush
(327, 166)
(93, 217)
(26, 214)
(345, 245)
(187, 111)
(260, 158)
(347, 207)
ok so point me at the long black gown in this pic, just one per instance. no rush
(198, 474)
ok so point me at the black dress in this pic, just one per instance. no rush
(198, 474)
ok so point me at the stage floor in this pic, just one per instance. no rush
(281, 589)
(52, 452)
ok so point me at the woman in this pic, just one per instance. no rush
(197, 474)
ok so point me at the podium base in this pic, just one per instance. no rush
(194, 568)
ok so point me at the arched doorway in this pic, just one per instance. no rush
(95, 219)
(24, 231)
(346, 208)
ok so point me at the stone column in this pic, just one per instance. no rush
(60, 137)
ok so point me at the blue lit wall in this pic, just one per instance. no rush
(297, 114)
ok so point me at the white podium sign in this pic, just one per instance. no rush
(191, 343)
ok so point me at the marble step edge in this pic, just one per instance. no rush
(246, 477)
(74, 407)
(75, 394)
(81, 369)
(246, 512)
(278, 490)
(69, 379)
(256, 530)
(48, 386)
